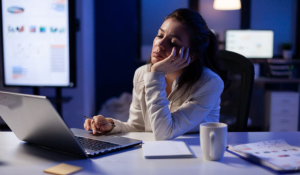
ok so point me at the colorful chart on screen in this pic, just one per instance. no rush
(36, 42)
(250, 43)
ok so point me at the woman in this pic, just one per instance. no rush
(179, 88)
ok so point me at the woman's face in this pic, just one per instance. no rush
(172, 33)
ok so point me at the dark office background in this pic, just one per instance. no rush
(111, 33)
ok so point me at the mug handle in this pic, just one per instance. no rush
(212, 137)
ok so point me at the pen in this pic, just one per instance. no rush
(103, 122)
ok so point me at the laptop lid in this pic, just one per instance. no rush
(33, 119)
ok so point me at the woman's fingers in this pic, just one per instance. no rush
(87, 124)
(184, 64)
(180, 53)
(172, 55)
(98, 120)
(93, 127)
(105, 127)
(100, 123)
(179, 57)
(186, 53)
(182, 59)
(97, 124)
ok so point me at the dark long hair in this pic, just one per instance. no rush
(203, 48)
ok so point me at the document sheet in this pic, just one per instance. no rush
(164, 149)
(272, 153)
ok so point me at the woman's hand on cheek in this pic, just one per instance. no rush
(172, 63)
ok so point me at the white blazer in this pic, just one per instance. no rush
(181, 112)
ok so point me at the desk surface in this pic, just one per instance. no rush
(21, 158)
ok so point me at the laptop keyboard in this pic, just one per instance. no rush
(95, 145)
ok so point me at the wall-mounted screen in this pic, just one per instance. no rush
(250, 43)
(38, 42)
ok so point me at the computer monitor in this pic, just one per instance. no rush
(38, 42)
(250, 43)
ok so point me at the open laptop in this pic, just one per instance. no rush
(33, 119)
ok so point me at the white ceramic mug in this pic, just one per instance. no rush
(213, 139)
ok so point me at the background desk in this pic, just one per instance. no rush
(20, 158)
(260, 113)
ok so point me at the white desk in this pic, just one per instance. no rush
(20, 158)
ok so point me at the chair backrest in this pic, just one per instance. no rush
(235, 101)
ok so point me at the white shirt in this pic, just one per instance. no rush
(181, 112)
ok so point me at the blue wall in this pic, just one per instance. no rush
(83, 95)
(219, 21)
(152, 16)
(277, 15)
(116, 36)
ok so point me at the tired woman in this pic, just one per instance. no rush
(179, 87)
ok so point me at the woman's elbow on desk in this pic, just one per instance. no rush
(165, 135)
(163, 132)
(162, 136)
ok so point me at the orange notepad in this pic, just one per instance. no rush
(62, 169)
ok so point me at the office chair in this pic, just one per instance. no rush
(235, 101)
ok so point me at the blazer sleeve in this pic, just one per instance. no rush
(135, 121)
(167, 125)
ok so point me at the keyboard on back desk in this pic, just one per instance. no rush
(95, 145)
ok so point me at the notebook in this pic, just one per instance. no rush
(34, 120)
(277, 155)
(166, 149)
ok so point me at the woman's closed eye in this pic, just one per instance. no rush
(172, 42)
(159, 36)
(174, 45)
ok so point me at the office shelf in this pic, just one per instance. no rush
(276, 60)
(276, 80)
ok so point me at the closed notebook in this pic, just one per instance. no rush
(166, 149)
